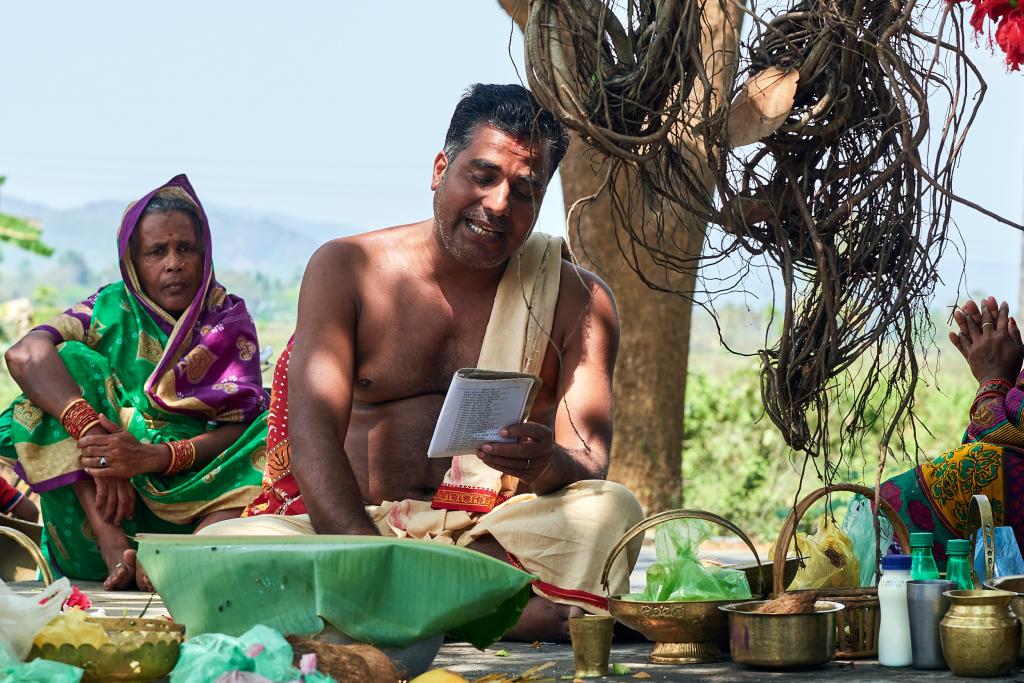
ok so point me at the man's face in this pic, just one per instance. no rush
(168, 259)
(486, 200)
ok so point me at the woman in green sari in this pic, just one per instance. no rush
(143, 408)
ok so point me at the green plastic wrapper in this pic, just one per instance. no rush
(678, 575)
(260, 650)
(381, 591)
(36, 671)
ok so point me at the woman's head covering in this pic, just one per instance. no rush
(209, 367)
(178, 187)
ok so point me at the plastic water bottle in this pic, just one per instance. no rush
(894, 630)
(923, 565)
(958, 566)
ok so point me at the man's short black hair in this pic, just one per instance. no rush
(511, 109)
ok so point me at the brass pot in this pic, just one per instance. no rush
(782, 641)
(980, 637)
(1015, 585)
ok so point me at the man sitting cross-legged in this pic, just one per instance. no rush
(387, 317)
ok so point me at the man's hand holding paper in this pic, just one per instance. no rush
(528, 457)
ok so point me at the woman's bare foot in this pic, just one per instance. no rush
(119, 558)
(141, 578)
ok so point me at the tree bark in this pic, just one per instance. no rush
(650, 375)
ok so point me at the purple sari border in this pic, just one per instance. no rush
(53, 482)
(58, 338)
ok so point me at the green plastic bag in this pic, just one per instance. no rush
(678, 575)
(36, 671)
(260, 650)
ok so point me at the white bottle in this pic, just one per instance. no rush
(894, 630)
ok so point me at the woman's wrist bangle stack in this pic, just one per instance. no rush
(183, 456)
(78, 417)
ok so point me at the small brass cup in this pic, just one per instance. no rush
(591, 644)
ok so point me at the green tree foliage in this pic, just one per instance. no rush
(735, 463)
(22, 232)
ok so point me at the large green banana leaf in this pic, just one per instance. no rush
(383, 591)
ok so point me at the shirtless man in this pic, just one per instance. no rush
(385, 319)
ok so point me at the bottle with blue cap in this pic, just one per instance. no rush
(894, 629)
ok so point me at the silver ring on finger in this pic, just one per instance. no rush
(983, 325)
(103, 461)
(528, 461)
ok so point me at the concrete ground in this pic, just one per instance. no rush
(517, 657)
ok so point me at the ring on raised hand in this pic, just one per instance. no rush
(983, 325)
(120, 565)
(103, 462)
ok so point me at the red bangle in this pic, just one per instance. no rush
(183, 456)
(995, 385)
(78, 417)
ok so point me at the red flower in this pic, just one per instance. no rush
(891, 495)
(1010, 37)
(921, 515)
(993, 9)
(77, 599)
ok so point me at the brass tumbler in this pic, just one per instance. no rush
(591, 644)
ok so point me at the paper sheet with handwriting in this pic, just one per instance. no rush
(475, 409)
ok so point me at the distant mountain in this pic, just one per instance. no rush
(275, 246)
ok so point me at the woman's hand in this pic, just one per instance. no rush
(118, 454)
(115, 499)
(962, 340)
(990, 341)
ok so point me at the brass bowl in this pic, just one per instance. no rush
(141, 650)
(683, 632)
(782, 641)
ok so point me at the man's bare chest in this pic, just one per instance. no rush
(411, 346)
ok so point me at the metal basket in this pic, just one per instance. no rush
(857, 625)
(683, 632)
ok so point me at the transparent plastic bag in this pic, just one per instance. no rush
(860, 529)
(678, 575)
(829, 559)
(1008, 558)
(22, 617)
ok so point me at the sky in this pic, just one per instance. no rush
(329, 111)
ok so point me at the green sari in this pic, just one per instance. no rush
(160, 382)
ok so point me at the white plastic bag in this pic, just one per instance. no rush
(21, 617)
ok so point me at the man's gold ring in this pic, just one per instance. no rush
(983, 325)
